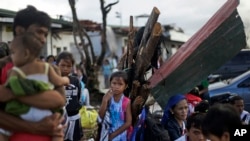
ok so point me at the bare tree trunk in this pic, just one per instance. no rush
(90, 68)
(105, 10)
(78, 29)
(103, 34)
(91, 46)
(75, 26)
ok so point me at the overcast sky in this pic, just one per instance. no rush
(190, 15)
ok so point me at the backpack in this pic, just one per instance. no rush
(125, 102)
(149, 129)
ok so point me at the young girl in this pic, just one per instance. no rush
(73, 132)
(30, 76)
(118, 106)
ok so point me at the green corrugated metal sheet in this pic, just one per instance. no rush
(219, 46)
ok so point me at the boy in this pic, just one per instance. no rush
(194, 132)
(238, 103)
(220, 123)
(65, 62)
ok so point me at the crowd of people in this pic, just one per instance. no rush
(41, 97)
(202, 121)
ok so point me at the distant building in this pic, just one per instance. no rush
(174, 38)
(60, 30)
(60, 37)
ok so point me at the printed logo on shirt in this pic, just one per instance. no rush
(70, 91)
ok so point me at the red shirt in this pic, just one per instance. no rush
(194, 100)
(29, 137)
(4, 72)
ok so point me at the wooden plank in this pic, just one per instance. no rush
(221, 38)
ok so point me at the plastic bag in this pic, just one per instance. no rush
(88, 117)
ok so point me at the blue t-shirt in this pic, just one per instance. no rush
(107, 70)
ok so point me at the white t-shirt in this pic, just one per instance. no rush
(182, 138)
(245, 117)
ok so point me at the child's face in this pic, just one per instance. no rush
(17, 54)
(118, 85)
(195, 134)
(225, 137)
(51, 60)
(65, 66)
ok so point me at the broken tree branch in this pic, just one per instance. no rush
(149, 26)
(109, 6)
(145, 54)
(131, 37)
